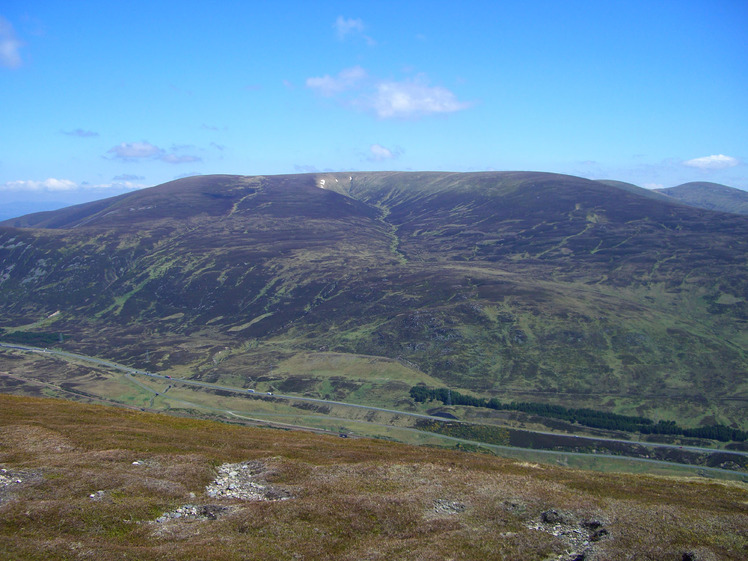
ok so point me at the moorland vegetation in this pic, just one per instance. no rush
(81, 481)
(510, 286)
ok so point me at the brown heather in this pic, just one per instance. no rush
(94, 480)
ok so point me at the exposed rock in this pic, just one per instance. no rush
(579, 537)
(445, 506)
(7, 478)
(244, 481)
(12, 480)
(194, 512)
(552, 517)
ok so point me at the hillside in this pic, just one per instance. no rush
(82, 481)
(711, 196)
(516, 285)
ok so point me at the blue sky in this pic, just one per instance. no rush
(97, 98)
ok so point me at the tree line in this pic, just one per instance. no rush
(30, 338)
(586, 417)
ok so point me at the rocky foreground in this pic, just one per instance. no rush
(87, 482)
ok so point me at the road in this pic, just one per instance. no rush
(248, 393)
(207, 385)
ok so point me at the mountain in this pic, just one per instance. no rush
(515, 285)
(711, 196)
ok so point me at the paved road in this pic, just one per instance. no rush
(135, 371)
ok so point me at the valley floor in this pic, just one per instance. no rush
(107, 382)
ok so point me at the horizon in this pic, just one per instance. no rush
(98, 103)
(23, 205)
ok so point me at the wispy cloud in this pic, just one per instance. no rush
(50, 184)
(128, 177)
(378, 153)
(66, 185)
(345, 26)
(351, 27)
(329, 86)
(138, 151)
(10, 46)
(183, 159)
(132, 151)
(81, 133)
(387, 99)
(718, 161)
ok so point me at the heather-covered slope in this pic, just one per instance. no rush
(515, 285)
(81, 481)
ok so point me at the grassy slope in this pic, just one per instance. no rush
(352, 499)
(523, 286)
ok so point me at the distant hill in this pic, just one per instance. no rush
(711, 196)
(630, 187)
(516, 285)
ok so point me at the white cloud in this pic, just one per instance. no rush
(379, 153)
(653, 186)
(50, 184)
(346, 79)
(10, 57)
(133, 151)
(719, 161)
(413, 98)
(387, 99)
(65, 185)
